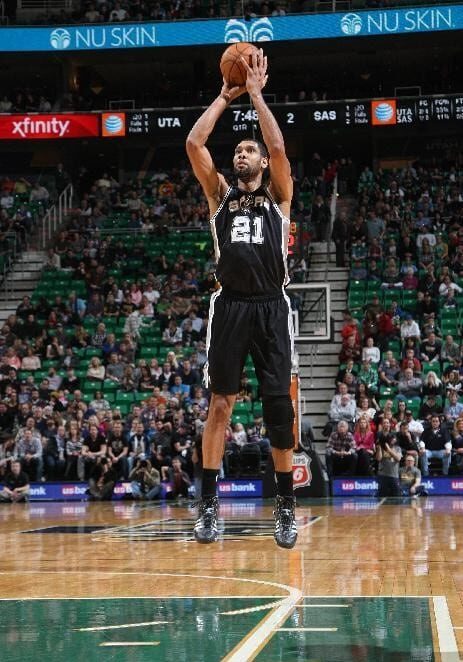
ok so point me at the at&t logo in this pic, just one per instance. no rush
(60, 39)
(351, 24)
(260, 30)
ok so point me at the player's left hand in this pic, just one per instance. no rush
(257, 73)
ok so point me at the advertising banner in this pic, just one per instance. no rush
(49, 127)
(222, 31)
(435, 485)
(240, 488)
(78, 491)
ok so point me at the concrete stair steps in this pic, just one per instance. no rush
(317, 395)
(318, 372)
(319, 383)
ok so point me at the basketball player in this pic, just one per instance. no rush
(250, 312)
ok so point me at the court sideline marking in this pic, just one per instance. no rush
(252, 643)
(256, 639)
(446, 637)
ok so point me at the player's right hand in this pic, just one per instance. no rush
(231, 93)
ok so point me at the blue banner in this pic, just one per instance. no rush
(194, 33)
(435, 485)
(78, 491)
(240, 488)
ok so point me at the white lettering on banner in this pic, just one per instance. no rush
(38, 491)
(350, 485)
(116, 37)
(324, 115)
(302, 475)
(28, 126)
(170, 122)
(413, 20)
(73, 490)
(237, 487)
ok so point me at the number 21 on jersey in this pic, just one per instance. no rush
(247, 230)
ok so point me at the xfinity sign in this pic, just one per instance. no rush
(388, 22)
(29, 127)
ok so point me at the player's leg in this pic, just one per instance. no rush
(272, 354)
(226, 351)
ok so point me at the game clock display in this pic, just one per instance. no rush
(240, 121)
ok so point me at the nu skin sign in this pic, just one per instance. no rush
(194, 33)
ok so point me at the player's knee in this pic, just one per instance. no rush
(279, 418)
(220, 408)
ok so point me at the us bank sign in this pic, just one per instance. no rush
(194, 33)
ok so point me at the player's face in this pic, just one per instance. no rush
(248, 162)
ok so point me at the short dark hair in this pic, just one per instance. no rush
(260, 145)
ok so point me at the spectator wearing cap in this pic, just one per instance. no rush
(435, 444)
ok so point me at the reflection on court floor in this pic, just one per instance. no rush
(200, 630)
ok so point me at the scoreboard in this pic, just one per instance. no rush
(294, 117)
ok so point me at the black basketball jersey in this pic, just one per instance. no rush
(251, 242)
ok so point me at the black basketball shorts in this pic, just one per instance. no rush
(260, 326)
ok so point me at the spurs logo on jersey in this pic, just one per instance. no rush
(250, 240)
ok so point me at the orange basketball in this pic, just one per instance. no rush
(231, 66)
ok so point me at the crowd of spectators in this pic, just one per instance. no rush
(37, 101)
(80, 398)
(97, 11)
(400, 377)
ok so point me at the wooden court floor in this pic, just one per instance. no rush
(369, 580)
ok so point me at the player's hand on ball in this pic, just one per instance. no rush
(231, 93)
(257, 73)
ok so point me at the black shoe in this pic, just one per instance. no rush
(206, 527)
(285, 522)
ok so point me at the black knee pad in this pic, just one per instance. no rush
(279, 418)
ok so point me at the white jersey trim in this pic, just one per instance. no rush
(290, 325)
(214, 298)
(215, 239)
(285, 224)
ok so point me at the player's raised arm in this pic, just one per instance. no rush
(213, 183)
(280, 169)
